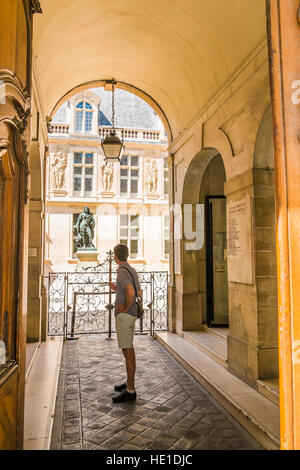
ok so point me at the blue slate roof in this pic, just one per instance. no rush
(130, 111)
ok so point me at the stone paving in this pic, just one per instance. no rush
(172, 410)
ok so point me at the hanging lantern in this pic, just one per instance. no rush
(112, 146)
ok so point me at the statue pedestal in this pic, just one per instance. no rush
(59, 192)
(107, 194)
(151, 195)
(87, 258)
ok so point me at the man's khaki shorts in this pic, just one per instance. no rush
(125, 330)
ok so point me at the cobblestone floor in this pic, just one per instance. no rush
(172, 410)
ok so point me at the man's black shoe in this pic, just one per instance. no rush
(125, 396)
(120, 388)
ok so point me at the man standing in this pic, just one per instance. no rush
(126, 313)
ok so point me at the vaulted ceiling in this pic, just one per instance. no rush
(178, 51)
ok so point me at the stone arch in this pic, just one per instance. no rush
(123, 86)
(194, 174)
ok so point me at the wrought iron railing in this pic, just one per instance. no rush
(82, 302)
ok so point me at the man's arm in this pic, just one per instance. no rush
(130, 294)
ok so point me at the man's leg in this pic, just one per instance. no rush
(125, 332)
(130, 367)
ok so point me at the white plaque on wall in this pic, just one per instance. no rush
(239, 241)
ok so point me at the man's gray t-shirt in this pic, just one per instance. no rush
(123, 279)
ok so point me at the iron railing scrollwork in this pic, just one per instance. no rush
(82, 302)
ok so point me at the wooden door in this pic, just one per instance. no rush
(15, 79)
(12, 324)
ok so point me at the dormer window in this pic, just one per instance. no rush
(83, 117)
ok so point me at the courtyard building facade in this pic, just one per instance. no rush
(129, 200)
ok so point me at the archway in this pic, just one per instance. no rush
(128, 198)
(205, 268)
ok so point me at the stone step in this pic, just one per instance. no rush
(221, 333)
(270, 389)
(31, 351)
(257, 414)
(40, 395)
(210, 344)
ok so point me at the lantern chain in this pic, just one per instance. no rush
(113, 104)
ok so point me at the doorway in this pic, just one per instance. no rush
(216, 261)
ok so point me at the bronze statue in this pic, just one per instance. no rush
(85, 230)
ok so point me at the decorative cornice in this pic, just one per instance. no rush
(35, 6)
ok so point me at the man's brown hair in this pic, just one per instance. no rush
(121, 252)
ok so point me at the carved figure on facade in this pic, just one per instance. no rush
(85, 230)
(107, 173)
(59, 164)
(151, 176)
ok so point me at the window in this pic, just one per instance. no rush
(83, 173)
(129, 233)
(166, 236)
(129, 176)
(166, 179)
(83, 117)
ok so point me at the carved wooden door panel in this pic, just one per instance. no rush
(15, 78)
(12, 186)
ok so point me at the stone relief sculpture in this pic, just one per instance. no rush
(151, 176)
(85, 230)
(59, 164)
(107, 172)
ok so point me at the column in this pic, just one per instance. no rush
(252, 348)
(284, 45)
(35, 249)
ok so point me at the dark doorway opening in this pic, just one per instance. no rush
(216, 262)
